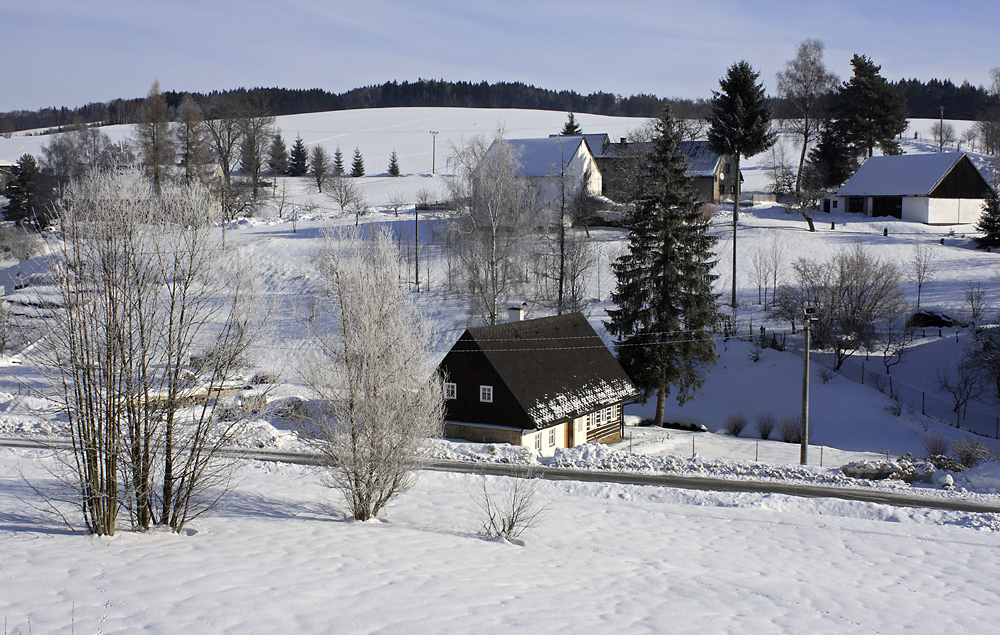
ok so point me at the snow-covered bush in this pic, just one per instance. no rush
(972, 452)
(906, 468)
(735, 423)
(765, 423)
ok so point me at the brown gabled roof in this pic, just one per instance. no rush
(557, 367)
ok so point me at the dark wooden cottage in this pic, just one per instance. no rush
(545, 383)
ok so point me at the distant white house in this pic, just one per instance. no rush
(555, 163)
(936, 188)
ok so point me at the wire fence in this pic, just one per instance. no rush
(977, 418)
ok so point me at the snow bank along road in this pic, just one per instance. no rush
(805, 490)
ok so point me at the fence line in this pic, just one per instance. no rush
(871, 372)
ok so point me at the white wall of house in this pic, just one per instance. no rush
(546, 441)
(581, 172)
(947, 211)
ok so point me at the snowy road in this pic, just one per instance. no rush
(703, 483)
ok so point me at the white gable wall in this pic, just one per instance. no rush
(581, 164)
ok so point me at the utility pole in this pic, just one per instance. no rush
(806, 322)
(941, 132)
(416, 248)
(434, 136)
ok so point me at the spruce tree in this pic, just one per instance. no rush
(277, 156)
(832, 161)
(739, 126)
(298, 163)
(338, 162)
(393, 164)
(989, 222)
(358, 164)
(870, 111)
(21, 190)
(319, 166)
(666, 308)
(571, 127)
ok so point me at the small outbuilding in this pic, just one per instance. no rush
(545, 383)
(936, 189)
(712, 175)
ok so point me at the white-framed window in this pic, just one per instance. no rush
(591, 421)
(834, 203)
(552, 436)
(486, 394)
(450, 390)
(538, 441)
(609, 414)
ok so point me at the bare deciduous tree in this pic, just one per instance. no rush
(343, 191)
(976, 300)
(757, 270)
(396, 202)
(141, 291)
(943, 133)
(496, 211)
(923, 268)
(851, 293)
(805, 83)
(379, 393)
(192, 142)
(775, 264)
(224, 135)
(962, 384)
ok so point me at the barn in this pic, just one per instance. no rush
(546, 383)
(936, 189)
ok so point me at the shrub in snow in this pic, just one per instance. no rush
(264, 378)
(765, 423)
(825, 375)
(735, 423)
(509, 505)
(790, 429)
(935, 444)
(972, 452)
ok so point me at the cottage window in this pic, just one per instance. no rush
(591, 421)
(486, 394)
(450, 391)
(552, 437)
(538, 441)
(834, 203)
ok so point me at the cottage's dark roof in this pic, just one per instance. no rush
(556, 367)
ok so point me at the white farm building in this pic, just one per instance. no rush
(937, 189)
(554, 163)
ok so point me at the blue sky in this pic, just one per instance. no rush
(62, 53)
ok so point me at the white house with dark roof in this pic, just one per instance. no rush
(936, 188)
(554, 162)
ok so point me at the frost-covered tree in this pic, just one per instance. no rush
(665, 307)
(380, 395)
(496, 211)
(144, 287)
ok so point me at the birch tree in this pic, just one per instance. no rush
(496, 212)
(380, 396)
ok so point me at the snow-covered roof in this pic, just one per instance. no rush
(542, 157)
(701, 161)
(900, 175)
(596, 141)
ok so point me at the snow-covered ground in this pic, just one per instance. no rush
(279, 557)
(607, 557)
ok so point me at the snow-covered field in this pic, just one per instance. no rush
(280, 557)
